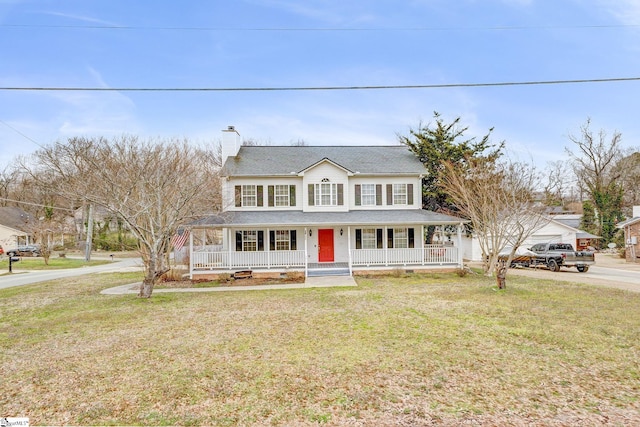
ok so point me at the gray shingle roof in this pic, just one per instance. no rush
(282, 161)
(15, 218)
(299, 218)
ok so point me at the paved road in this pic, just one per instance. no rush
(29, 277)
(608, 271)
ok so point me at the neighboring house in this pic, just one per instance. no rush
(554, 230)
(631, 229)
(320, 210)
(582, 240)
(14, 227)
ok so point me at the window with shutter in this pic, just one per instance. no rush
(368, 194)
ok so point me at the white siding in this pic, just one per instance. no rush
(228, 191)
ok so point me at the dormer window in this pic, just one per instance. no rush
(326, 193)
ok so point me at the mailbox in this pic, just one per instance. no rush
(12, 259)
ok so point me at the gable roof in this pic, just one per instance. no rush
(628, 222)
(291, 160)
(580, 234)
(572, 220)
(16, 218)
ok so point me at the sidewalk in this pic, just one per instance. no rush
(614, 261)
(310, 282)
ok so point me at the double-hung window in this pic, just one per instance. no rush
(282, 240)
(249, 241)
(282, 195)
(368, 194)
(249, 195)
(400, 238)
(326, 194)
(369, 238)
(399, 194)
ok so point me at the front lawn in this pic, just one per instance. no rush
(415, 350)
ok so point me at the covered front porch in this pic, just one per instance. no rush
(326, 247)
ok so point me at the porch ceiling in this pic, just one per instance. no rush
(312, 219)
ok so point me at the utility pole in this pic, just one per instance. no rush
(89, 241)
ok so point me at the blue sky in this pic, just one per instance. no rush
(318, 43)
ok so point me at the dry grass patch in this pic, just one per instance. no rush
(414, 350)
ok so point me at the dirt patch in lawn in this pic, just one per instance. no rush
(250, 281)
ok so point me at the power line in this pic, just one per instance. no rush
(313, 88)
(36, 204)
(311, 29)
(20, 133)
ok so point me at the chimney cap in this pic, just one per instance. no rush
(231, 128)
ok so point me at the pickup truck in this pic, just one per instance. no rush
(556, 255)
(24, 250)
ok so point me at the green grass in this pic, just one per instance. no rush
(412, 350)
(55, 263)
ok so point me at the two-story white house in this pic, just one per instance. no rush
(320, 210)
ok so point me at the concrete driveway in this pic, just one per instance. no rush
(27, 277)
(609, 270)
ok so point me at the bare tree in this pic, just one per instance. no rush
(9, 177)
(559, 188)
(153, 186)
(498, 199)
(629, 169)
(594, 166)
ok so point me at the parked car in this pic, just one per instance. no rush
(1, 250)
(522, 257)
(24, 250)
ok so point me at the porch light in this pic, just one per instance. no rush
(310, 232)
(341, 231)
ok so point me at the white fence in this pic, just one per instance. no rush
(257, 259)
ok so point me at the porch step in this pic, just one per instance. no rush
(328, 272)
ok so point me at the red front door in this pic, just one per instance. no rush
(325, 245)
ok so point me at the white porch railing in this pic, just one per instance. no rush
(431, 254)
(225, 260)
(257, 259)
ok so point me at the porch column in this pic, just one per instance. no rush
(423, 253)
(349, 249)
(459, 229)
(232, 241)
(191, 255)
(267, 245)
(306, 255)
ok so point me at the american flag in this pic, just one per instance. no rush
(178, 239)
